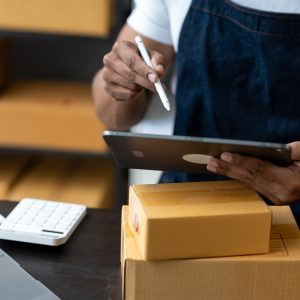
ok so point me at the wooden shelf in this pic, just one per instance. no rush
(57, 40)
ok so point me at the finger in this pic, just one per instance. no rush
(116, 78)
(229, 169)
(249, 169)
(127, 51)
(120, 93)
(159, 62)
(130, 76)
(295, 149)
(279, 184)
(262, 176)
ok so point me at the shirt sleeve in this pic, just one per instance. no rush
(151, 19)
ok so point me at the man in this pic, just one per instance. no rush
(238, 76)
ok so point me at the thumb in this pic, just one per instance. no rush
(159, 62)
(295, 148)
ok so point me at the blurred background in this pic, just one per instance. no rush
(50, 138)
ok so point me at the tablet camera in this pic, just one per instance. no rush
(138, 153)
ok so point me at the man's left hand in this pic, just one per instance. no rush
(281, 185)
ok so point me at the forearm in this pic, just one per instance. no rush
(117, 114)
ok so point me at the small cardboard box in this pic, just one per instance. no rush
(198, 219)
(272, 276)
(51, 115)
(80, 17)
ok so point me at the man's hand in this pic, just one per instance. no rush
(125, 73)
(119, 88)
(281, 185)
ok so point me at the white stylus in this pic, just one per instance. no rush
(158, 85)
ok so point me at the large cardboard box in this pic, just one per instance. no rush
(273, 276)
(51, 115)
(198, 219)
(75, 17)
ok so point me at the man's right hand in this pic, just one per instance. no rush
(125, 74)
(119, 87)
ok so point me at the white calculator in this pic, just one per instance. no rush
(42, 222)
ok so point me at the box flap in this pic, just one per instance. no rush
(198, 199)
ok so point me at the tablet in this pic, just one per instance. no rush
(185, 154)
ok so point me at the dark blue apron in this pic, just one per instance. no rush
(238, 76)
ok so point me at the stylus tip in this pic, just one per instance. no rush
(167, 106)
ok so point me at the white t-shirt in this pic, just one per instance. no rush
(161, 20)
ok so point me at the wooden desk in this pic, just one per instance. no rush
(87, 267)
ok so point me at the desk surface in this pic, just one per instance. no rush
(87, 267)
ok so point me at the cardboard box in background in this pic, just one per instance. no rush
(41, 179)
(12, 166)
(4, 63)
(86, 181)
(90, 181)
(51, 115)
(273, 276)
(198, 219)
(80, 17)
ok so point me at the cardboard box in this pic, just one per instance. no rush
(198, 219)
(80, 17)
(273, 276)
(51, 115)
(87, 181)
(42, 179)
(11, 167)
(90, 182)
